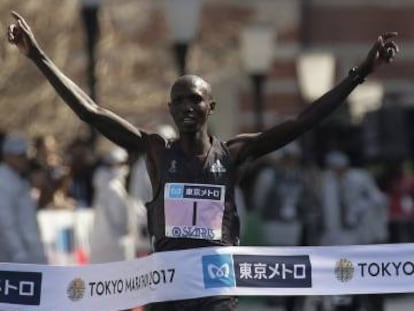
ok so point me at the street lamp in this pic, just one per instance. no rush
(182, 18)
(363, 101)
(365, 98)
(316, 76)
(89, 12)
(257, 55)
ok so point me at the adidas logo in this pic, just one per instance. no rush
(217, 167)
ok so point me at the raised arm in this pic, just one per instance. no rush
(109, 124)
(255, 145)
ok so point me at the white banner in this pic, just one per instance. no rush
(239, 271)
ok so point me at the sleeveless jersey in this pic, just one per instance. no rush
(194, 204)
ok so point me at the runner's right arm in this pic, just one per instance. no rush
(109, 124)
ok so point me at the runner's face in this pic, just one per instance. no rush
(190, 105)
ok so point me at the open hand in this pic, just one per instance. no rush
(384, 50)
(21, 36)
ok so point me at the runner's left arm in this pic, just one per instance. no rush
(257, 144)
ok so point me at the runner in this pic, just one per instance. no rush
(193, 176)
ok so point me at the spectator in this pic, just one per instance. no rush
(283, 199)
(354, 210)
(61, 199)
(45, 151)
(41, 184)
(287, 196)
(20, 239)
(112, 208)
(398, 183)
(81, 161)
(51, 178)
(2, 135)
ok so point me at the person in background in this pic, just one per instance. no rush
(354, 208)
(112, 208)
(2, 136)
(81, 161)
(283, 199)
(51, 178)
(281, 195)
(20, 240)
(46, 151)
(354, 212)
(62, 200)
(41, 184)
(398, 183)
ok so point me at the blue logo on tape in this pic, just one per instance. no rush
(218, 271)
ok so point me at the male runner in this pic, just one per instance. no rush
(195, 164)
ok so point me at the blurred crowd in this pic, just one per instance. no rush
(282, 200)
(38, 175)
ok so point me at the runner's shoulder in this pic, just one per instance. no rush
(240, 140)
(156, 143)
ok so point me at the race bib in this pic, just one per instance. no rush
(193, 211)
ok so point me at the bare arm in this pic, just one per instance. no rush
(255, 145)
(109, 124)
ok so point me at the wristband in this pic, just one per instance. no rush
(356, 75)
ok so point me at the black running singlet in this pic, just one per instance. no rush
(194, 205)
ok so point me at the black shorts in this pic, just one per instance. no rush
(216, 303)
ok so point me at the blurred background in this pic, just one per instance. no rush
(134, 47)
(267, 60)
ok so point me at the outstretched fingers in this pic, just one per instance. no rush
(383, 50)
(384, 38)
(23, 26)
(389, 48)
(388, 35)
(21, 22)
(386, 48)
(15, 15)
(11, 33)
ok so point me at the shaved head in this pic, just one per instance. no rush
(193, 81)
